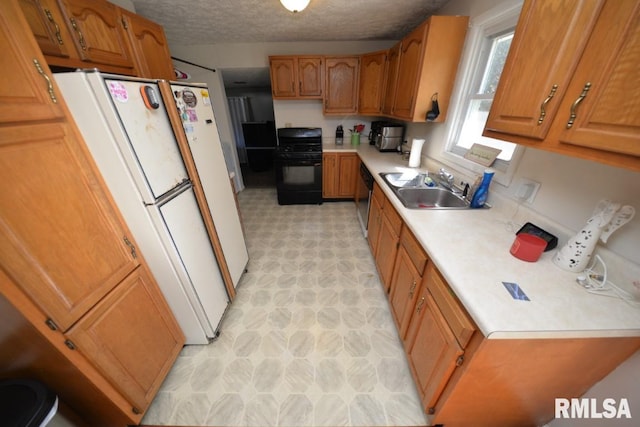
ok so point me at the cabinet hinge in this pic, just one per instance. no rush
(136, 410)
(70, 344)
(51, 324)
(460, 360)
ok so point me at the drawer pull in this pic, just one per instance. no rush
(543, 112)
(44, 75)
(132, 248)
(83, 43)
(51, 324)
(412, 289)
(55, 24)
(420, 304)
(70, 344)
(577, 102)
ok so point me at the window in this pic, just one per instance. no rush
(479, 101)
(488, 45)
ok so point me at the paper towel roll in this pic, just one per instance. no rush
(414, 156)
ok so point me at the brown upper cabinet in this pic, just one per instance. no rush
(373, 67)
(151, 50)
(426, 66)
(296, 77)
(96, 33)
(582, 82)
(48, 26)
(393, 58)
(398, 83)
(37, 98)
(341, 84)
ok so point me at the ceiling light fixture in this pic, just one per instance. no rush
(295, 5)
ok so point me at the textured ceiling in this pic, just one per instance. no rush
(218, 21)
(189, 22)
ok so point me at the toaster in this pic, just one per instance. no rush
(389, 137)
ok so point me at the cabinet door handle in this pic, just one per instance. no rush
(55, 24)
(412, 289)
(44, 75)
(132, 248)
(577, 102)
(543, 113)
(51, 324)
(420, 304)
(83, 43)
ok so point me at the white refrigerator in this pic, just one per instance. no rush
(194, 106)
(126, 127)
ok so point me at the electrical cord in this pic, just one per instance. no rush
(596, 282)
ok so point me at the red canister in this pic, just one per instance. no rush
(528, 247)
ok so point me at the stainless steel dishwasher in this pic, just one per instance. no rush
(363, 197)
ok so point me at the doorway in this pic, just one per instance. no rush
(253, 121)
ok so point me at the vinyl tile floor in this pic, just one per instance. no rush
(309, 339)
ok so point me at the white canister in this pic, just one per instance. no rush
(416, 150)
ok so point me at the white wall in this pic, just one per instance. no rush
(570, 187)
(125, 4)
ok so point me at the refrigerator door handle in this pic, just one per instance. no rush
(173, 193)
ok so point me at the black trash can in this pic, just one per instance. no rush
(26, 403)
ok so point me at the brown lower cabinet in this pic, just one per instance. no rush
(384, 234)
(79, 309)
(463, 377)
(339, 173)
(406, 283)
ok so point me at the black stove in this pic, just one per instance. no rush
(299, 166)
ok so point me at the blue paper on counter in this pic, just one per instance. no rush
(515, 291)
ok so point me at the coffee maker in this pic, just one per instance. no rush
(375, 130)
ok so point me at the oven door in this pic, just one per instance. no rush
(299, 180)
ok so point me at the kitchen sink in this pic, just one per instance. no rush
(414, 193)
(404, 180)
(430, 198)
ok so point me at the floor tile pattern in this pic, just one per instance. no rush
(309, 339)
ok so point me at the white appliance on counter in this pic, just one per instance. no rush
(126, 127)
(199, 122)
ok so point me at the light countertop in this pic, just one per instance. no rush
(471, 250)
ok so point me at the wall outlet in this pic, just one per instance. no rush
(526, 190)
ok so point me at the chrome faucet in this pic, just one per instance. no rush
(446, 178)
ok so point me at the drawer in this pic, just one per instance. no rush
(378, 194)
(392, 216)
(451, 308)
(414, 250)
